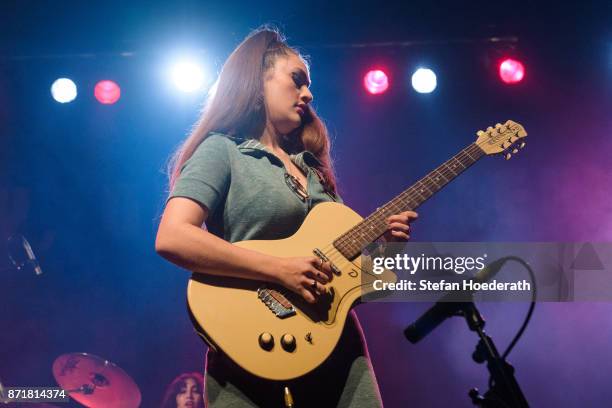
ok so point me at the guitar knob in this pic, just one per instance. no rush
(522, 145)
(266, 341)
(515, 151)
(288, 342)
(508, 156)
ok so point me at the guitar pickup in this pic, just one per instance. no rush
(324, 258)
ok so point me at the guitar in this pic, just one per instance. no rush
(273, 333)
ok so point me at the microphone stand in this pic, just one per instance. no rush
(504, 390)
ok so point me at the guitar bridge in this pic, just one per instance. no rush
(276, 302)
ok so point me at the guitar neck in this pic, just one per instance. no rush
(372, 227)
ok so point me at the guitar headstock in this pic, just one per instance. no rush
(504, 138)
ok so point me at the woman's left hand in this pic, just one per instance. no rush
(398, 226)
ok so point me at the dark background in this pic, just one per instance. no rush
(85, 182)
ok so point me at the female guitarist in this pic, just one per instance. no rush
(255, 164)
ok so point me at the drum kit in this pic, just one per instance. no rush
(92, 382)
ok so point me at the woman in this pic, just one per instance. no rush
(185, 391)
(254, 166)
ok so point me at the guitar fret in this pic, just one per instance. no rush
(420, 195)
(458, 161)
(428, 183)
(423, 184)
(452, 174)
(445, 179)
(465, 158)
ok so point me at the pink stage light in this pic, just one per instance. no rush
(107, 92)
(376, 82)
(511, 71)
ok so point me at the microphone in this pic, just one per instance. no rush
(31, 257)
(18, 247)
(449, 304)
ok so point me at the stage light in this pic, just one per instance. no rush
(511, 71)
(107, 92)
(188, 76)
(376, 82)
(64, 90)
(424, 80)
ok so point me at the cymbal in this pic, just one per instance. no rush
(95, 382)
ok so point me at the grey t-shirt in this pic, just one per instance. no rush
(244, 187)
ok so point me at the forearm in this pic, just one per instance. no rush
(197, 250)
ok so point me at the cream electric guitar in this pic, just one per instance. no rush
(272, 332)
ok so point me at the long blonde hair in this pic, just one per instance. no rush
(237, 107)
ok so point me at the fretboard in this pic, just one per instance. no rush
(371, 228)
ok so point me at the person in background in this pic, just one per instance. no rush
(185, 391)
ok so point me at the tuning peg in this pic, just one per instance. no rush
(480, 133)
(489, 129)
(498, 125)
(515, 151)
(508, 156)
(522, 145)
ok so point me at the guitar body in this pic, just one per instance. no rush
(231, 314)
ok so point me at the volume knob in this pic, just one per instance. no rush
(266, 341)
(288, 342)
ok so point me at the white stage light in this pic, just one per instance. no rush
(64, 90)
(188, 76)
(424, 80)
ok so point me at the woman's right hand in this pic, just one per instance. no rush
(305, 276)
